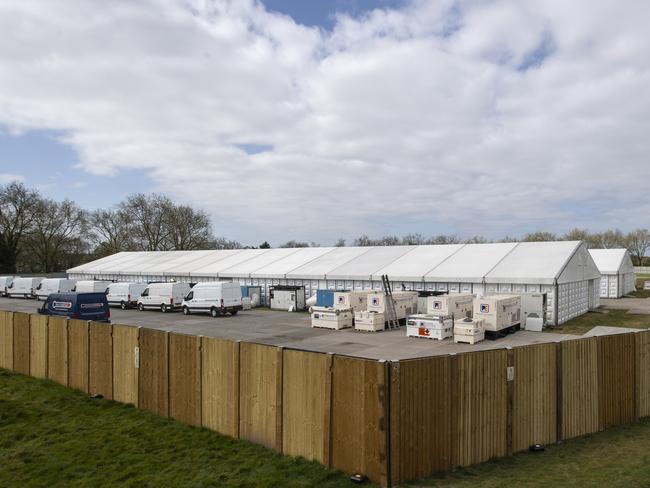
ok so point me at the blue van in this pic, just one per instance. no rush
(83, 306)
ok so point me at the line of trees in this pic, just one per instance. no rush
(38, 234)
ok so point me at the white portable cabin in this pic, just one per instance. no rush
(287, 298)
(5, 282)
(617, 276)
(24, 287)
(53, 285)
(564, 270)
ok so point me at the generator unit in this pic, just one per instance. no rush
(406, 303)
(460, 305)
(423, 296)
(469, 331)
(289, 298)
(500, 313)
(329, 318)
(437, 327)
(356, 300)
(369, 321)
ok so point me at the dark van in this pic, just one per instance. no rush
(83, 306)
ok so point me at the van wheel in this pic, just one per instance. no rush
(140, 307)
(123, 306)
(234, 312)
(214, 312)
(163, 308)
(186, 311)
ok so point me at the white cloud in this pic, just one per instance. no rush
(9, 178)
(425, 108)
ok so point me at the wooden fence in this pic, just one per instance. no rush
(392, 421)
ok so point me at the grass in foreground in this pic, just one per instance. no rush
(53, 436)
(604, 317)
(619, 457)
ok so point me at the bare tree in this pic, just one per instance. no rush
(294, 243)
(444, 239)
(413, 239)
(611, 239)
(188, 228)
(638, 243)
(223, 243)
(539, 236)
(111, 231)
(476, 240)
(340, 242)
(17, 208)
(148, 214)
(55, 225)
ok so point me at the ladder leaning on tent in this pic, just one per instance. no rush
(391, 314)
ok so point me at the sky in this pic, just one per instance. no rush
(316, 120)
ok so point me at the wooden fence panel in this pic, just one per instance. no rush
(421, 395)
(7, 340)
(616, 380)
(260, 394)
(38, 346)
(78, 354)
(21, 343)
(100, 365)
(220, 385)
(185, 378)
(579, 387)
(57, 350)
(535, 396)
(154, 371)
(482, 406)
(126, 357)
(643, 373)
(358, 421)
(306, 393)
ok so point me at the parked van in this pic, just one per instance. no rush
(91, 286)
(215, 298)
(124, 294)
(23, 287)
(5, 282)
(83, 306)
(164, 296)
(53, 285)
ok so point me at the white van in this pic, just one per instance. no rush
(91, 286)
(125, 294)
(24, 287)
(164, 296)
(5, 282)
(215, 298)
(53, 285)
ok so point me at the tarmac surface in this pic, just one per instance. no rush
(293, 330)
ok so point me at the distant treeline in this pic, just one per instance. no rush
(40, 235)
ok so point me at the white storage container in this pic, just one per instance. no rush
(469, 331)
(330, 318)
(460, 305)
(24, 287)
(287, 298)
(369, 321)
(5, 282)
(53, 285)
(355, 300)
(498, 311)
(406, 303)
(430, 326)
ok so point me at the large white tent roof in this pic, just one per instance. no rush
(526, 262)
(612, 261)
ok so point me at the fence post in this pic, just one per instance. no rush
(7, 340)
(455, 405)
(327, 421)
(558, 392)
(236, 388)
(510, 403)
(383, 383)
(395, 424)
(278, 399)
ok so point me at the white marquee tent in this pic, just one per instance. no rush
(564, 270)
(617, 272)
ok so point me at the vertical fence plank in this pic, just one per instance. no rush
(535, 403)
(154, 371)
(356, 415)
(258, 394)
(100, 367)
(7, 340)
(616, 380)
(38, 346)
(78, 354)
(185, 378)
(220, 385)
(21, 343)
(643, 373)
(579, 387)
(125, 364)
(57, 350)
(482, 408)
(327, 413)
(305, 397)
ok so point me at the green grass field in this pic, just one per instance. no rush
(52, 436)
(608, 318)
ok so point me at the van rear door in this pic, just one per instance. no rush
(93, 306)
